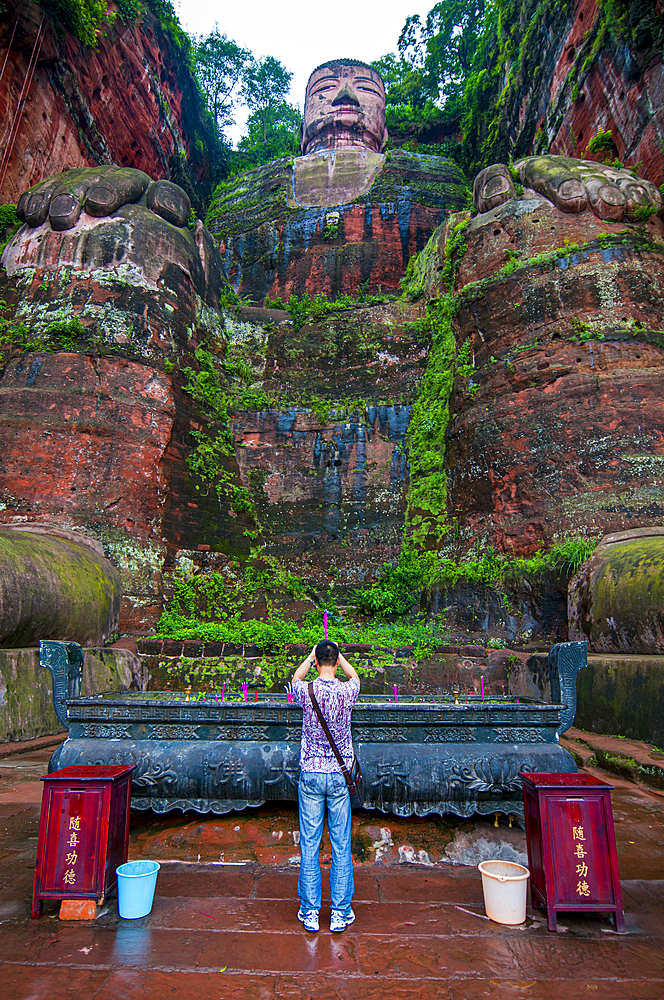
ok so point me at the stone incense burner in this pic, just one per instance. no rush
(419, 755)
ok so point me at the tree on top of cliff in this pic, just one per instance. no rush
(406, 81)
(262, 144)
(425, 82)
(445, 47)
(219, 66)
(265, 86)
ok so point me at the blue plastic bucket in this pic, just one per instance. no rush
(136, 885)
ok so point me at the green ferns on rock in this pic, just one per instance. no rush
(209, 457)
(9, 224)
(88, 19)
(211, 607)
(426, 516)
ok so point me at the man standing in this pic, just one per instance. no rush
(321, 782)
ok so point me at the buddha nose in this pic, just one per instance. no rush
(346, 96)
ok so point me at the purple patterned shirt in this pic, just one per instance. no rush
(336, 700)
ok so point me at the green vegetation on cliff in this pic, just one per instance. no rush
(9, 224)
(430, 531)
(213, 453)
(214, 607)
(468, 71)
(426, 516)
(88, 19)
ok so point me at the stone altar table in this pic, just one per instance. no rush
(420, 755)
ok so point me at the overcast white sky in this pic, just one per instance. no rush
(302, 33)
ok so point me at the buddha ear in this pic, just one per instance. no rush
(302, 137)
(384, 140)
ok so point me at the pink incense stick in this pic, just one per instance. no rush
(325, 624)
(395, 692)
(223, 688)
(482, 687)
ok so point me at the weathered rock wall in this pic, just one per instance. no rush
(282, 232)
(564, 70)
(132, 100)
(318, 413)
(95, 427)
(559, 429)
(623, 695)
(108, 440)
(326, 463)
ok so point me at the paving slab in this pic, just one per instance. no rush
(24, 982)
(225, 930)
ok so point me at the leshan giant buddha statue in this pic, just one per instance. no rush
(344, 106)
(344, 215)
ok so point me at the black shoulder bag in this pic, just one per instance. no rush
(354, 776)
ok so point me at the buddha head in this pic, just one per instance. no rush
(344, 105)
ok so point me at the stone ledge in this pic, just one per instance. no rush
(631, 759)
(156, 646)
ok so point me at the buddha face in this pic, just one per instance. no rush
(344, 106)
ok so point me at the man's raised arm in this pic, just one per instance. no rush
(350, 672)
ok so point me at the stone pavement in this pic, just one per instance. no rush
(223, 930)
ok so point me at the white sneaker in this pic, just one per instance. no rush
(309, 918)
(339, 923)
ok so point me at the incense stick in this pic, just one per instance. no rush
(464, 910)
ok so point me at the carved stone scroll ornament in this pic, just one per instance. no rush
(64, 661)
(172, 732)
(242, 733)
(376, 734)
(462, 735)
(102, 731)
(152, 775)
(519, 736)
(565, 661)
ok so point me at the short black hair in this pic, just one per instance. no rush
(327, 653)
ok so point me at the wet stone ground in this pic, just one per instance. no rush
(225, 925)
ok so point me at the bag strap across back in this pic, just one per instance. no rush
(330, 739)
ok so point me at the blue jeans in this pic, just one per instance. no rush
(315, 789)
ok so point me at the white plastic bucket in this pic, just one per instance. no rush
(136, 884)
(505, 887)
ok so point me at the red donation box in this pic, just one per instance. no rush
(571, 845)
(83, 832)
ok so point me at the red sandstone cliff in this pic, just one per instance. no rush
(569, 70)
(131, 101)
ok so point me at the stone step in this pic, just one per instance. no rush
(617, 755)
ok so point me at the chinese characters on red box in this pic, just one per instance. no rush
(72, 857)
(582, 887)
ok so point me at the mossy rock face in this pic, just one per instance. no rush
(616, 600)
(55, 587)
(331, 222)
